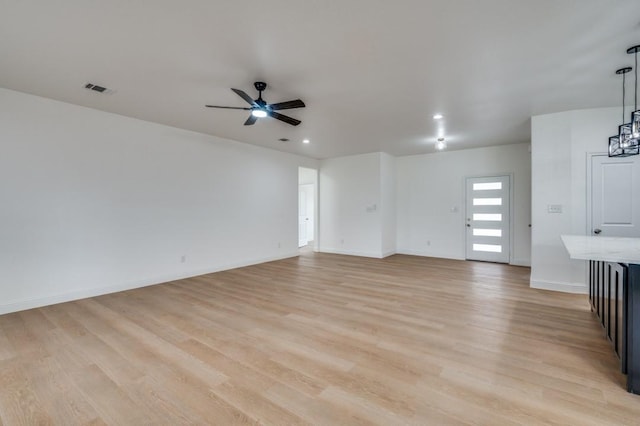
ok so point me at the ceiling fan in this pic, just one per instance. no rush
(259, 108)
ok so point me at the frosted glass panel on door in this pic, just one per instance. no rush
(493, 248)
(491, 217)
(486, 186)
(487, 201)
(477, 232)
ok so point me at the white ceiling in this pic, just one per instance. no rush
(372, 72)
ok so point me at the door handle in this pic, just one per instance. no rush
(597, 231)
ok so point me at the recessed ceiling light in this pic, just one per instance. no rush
(305, 141)
(438, 116)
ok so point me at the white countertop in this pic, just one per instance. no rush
(608, 249)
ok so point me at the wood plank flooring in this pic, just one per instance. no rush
(318, 339)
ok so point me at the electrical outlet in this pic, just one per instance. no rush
(279, 244)
(428, 242)
(342, 241)
(554, 208)
(183, 259)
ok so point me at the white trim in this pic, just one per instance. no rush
(21, 305)
(353, 253)
(576, 288)
(589, 189)
(515, 262)
(521, 262)
(388, 253)
(423, 253)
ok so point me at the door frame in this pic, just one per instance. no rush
(589, 189)
(316, 203)
(511, 208)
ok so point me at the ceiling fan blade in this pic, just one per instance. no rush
(287, 105)
(244, 96)
(284, 118)
(226, 107)
(252, 119)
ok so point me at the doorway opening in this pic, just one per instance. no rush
(307, 209)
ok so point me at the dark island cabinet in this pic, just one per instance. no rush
(614, 294)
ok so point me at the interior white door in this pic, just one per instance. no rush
(309, 209)
(303, 240)
(615, 196)
(488, 220)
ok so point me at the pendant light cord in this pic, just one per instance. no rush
(636, 93)
(624, 77)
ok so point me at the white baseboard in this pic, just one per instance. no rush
(515, 262)
(352, 252)
(424, 253)
(521, 262)
(577, 288)
(21, 305)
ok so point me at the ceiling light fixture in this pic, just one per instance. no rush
(438, 116)
(260, 113)
(627, 141)
(440, 144)
(305, 141)
(620, 145)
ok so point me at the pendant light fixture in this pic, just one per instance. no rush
(635, 115)
(623, 144)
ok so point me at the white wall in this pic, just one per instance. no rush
(93, 202)
(431, 199)
(560, 143)
(351, 205)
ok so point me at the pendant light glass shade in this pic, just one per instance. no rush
(625, 137)
(635, 125)
(616, 149)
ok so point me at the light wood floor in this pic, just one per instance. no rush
(319, 339)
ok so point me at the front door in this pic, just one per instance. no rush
(615, 196)
(488, 219)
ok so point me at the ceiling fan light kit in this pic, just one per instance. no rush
(627, 141)
(261, 109)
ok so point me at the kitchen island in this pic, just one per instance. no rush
(614, 294)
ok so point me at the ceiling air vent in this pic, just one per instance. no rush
(283, 140)
(99, 89)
